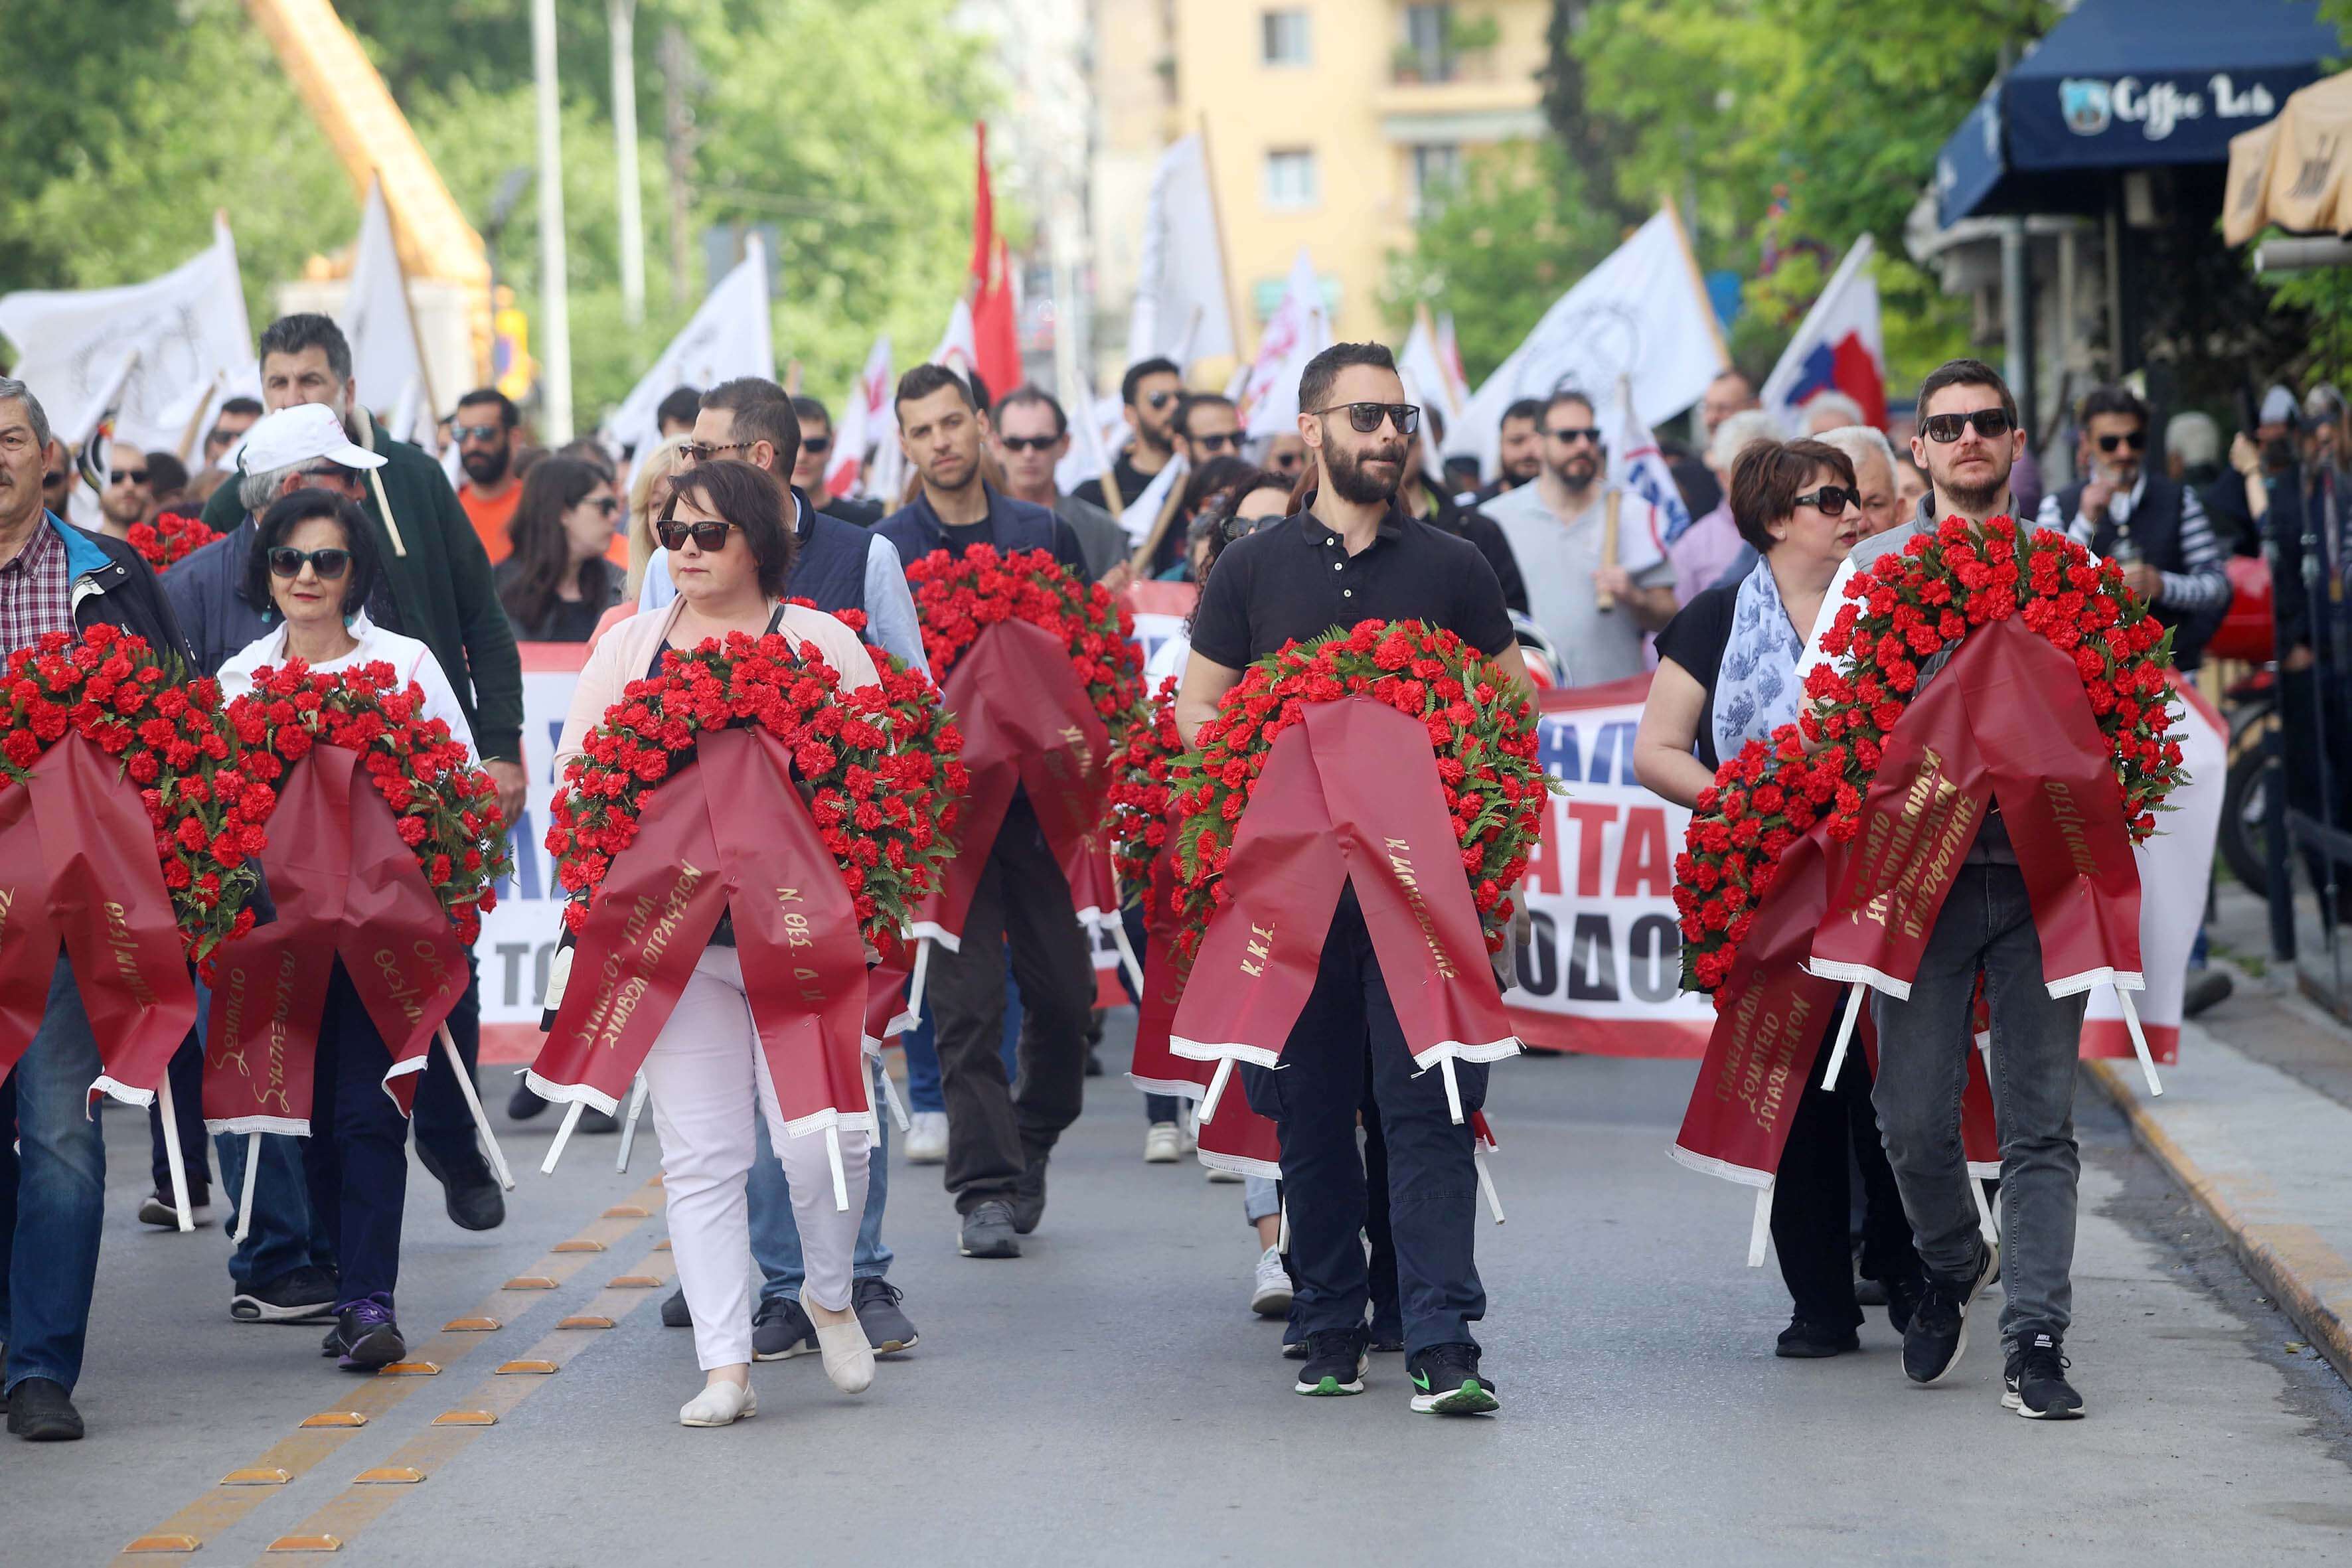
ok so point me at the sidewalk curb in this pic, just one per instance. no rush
(2309, 1280)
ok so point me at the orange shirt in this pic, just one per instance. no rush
(489, 517)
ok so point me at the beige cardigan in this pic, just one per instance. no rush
(627, 649)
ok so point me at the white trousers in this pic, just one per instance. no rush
(704, 1071)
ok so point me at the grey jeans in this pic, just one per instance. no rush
(1987, 923)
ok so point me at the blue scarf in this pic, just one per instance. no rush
(1756, 690)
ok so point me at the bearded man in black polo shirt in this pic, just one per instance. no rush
(1354, 555)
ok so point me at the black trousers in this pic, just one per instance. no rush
(187, 1076)
(356, 1158)
(1387, 1308)
(1834, 1133)
(1346, 1054)
(445, 1128)
(996, 1128)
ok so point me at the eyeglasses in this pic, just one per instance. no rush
(1831, 501)
(328, 471)
(285, 560)
(129, 476)
(607, 505)
(709, 537)
(1159, 400)
(816, 444)
(478, 432)
(2136, 440)
(1222, 441)
(1242, 527)
(1287, 462)
(50, 481)
(1365, 418)
(1027, 442)
(1945, 428)
(1575, 434)
(695, 452)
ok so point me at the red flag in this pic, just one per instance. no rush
(996, 340)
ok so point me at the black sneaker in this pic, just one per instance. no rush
(1334, 1363)
(1029, 1196)
(524, 1103)
(1902, 1301)
(301, 1295)
(1445, 1382)
(1938, 1330)
(158, 1209)
(366, 1338)
(1804, 1340)
(41, 1410)
(1293, 1348)
(1388, 1338)
(673, 1312)
(781, 1331)
(469, 1192)
(876, 1302)
(2035, 1381)
(989, 1232)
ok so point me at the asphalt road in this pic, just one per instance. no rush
(1109, 1399)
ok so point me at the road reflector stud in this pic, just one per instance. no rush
(628, 1211)
(335, 1419)
(586, 1320)
(305, 1543)
(530, 1368)
(163, 1543)
(580, 1244)
(658, 1180)
(265, 1476)
(389, 1475)
(662, 1245)
(466, 1418)
(410, 1369)
(472, 1326)
(637, 1282)
(529, 1282)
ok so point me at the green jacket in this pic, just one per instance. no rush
(439, 578)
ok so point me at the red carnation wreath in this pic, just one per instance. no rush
(1903, 611)
(1141, 769)
(957, 597)
(879, 762)
(1481, 725)
(171, 539)
(117, 693)
(444, 806)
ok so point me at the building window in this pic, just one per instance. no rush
(1424, 51)
(1290, 183)
(1435, 167)
(1283, 37)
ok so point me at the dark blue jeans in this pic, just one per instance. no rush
(357, 1155)
(187, 1074)
(445, 1128)
(1346, 1052)
(285, 1236)
(52, 1264)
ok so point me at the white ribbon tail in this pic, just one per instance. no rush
(840, 1176)
(1127, 953)
(890, 1095)
(919, 976)
(1760, 1229)
(562, 1136)
(1984, 1213)
(481, 1118)
(629, 1127)
(1486, 1185)
(1845, 1035)
(2139, 1041)
(1216, 1088)
(245, 1199)
(1282, 1239)
(172, 1155)
(1453, 1091)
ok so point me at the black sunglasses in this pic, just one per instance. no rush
(129, 476)
(1830, 500)
(1159, 400)
(1576, 433)
(698, 452)
(285, 560)
(1224, 440)
(1242, 527)
(607, 505)
(1027, 442)
(816, 444)
(2136, 440)
(1365, 418)
(478, 432)
(1945, 428)
(709, 537)
(50, 481)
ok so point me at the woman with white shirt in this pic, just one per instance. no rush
(729, 550)
(311, 567)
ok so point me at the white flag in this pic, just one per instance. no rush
(1838, 347)
(1638, 468)
(729, 337)
(959, 347)
(375, 315)
(188, 329)
(1142, 513)
(1089, 456)
(1299, 328)
(1181, 298)
(865, 413)
(1420, 364)
(1641, 315)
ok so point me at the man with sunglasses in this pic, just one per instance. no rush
(2150, 523)
(1150, 393)
(485, 433)
(1208, 426)
(128, 499)
(1969, 442)
(1031, 436)
(808, 468)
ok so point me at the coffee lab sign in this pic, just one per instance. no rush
(2158, 108)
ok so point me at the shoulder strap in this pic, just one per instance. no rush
(776, 620)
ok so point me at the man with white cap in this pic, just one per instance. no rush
(284, 1270)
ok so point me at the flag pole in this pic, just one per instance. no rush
(1225, 260)
(1698, 279)
(415, 334)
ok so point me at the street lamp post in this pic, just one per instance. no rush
(554, 300)
(622, 15)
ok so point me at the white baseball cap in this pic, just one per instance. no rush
(292, 437)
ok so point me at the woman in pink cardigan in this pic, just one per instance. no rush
(730, 546)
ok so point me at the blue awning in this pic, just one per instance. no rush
(2128, 84)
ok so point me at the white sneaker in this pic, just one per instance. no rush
(722, 1404)
(1163, 1143)
(848, 1354)
(927, 1140)
(1270, 1290)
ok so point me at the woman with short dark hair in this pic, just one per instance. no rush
(557, 582)
(1728, 675)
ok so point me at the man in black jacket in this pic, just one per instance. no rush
(55, 578)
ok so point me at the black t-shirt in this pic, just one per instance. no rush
(1295, 580)
(566, 620)
(1132, 482)
(1468, 522)
(1696, 639)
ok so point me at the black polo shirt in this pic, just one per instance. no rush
(1295, 580)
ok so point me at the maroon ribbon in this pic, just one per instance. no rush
(78, 866)
(346, 887)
